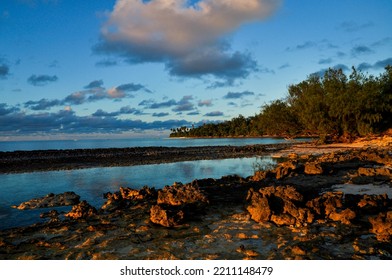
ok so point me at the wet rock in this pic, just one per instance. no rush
(127, 197)
(382, 226)
(53, 215)
(169, 217)
(82, 210)
(50, 200)
(373, 204)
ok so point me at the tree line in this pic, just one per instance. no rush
(332, 105)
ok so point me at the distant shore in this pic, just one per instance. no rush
(46, 160)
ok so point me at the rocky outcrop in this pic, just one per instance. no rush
(83, 210)
(50, 200)
(126, 197)
(382, 226)
(285, 206)
(176, 204)
(281, 205)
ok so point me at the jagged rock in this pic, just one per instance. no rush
(344, 216)
(313, 168)
(126, 197)
(326, 204)
(382, 226)
(280, 205)
(287, 168)
(166, 217)
(50, 200)
(258, 209)
(82, 210)
(53, 215)
(180, 194)
(176, 204)
(374, 204)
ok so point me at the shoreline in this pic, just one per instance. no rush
(320, 202)
(50, 160)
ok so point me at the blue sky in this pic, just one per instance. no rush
(85, 69)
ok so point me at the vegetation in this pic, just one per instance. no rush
(330, 105)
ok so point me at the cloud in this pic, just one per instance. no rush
(381, 64)
(106, 63)
(325, 61)
(321, 45)
(42, 104)
(361, 50)
(41, 80)
(5, 109)
(336, 67)
(183, 34)
(4, 70)
(93, 92)
(160, 115)
(238, 95)
(123, 111)
(19, 123)
(195, 113)
(207, 103)
(151, 104)
(351, 26)
(94, 84)
(214, 114)
(184, 104)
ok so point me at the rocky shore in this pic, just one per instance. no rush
(315, 205)
(45, 160)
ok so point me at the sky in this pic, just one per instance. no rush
(72, 69)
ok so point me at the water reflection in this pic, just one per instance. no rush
(90, 184)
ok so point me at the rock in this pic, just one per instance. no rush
(82, 210)
(287, 168)
(280, 205)
(53, 215)
(344, 216)
(382, 226)
(258, 209)
(180, 194)
(166, 217)
(50, 200)
(312, 168)
(127, 197)
(373, 204)
(177, 203)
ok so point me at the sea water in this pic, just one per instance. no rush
(92, 183)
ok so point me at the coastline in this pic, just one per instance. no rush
(48, 160)
(320, 202)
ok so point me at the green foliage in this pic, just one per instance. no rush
(328, 105)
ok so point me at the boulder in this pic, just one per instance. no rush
(166, 216)
(50, 200)
(127, 197)
(82, 210)
(382, 226)
(177, 203)
(280, 205)
(313, 168)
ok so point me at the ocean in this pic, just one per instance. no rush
(92, 183)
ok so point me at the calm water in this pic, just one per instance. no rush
(91, 183)
(135, 142)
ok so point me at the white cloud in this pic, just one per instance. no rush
(175, 31)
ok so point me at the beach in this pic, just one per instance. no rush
(319, 202)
